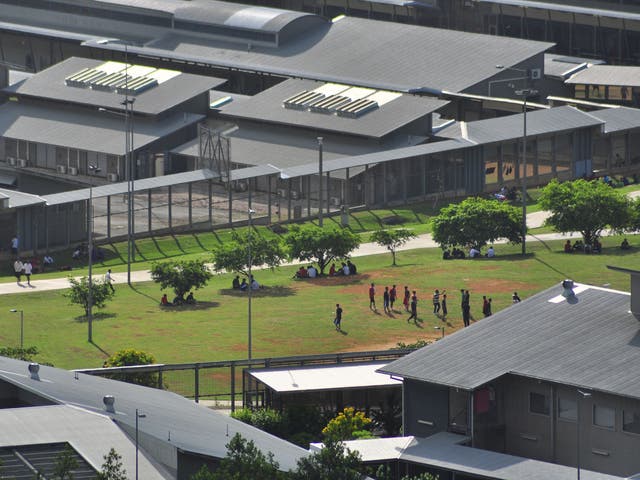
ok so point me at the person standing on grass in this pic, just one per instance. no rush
(372, 298)
(436, 302)
(486, 306)
(17, 268)
(444, 305)
(466, 307)
(393, 294)
(28, 270)
(414, 308)
(338, 318)
(405, 300)
(385, 300)
(108, 278)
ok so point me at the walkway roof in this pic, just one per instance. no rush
(618, 118)
(563, 7)
(607, 75)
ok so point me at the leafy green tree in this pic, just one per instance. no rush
(66, 463)
(130, 357)
(265, 419)
(244, 461)
(348, 425)
(203, 474)
(585, 206)
(234, 256)
(79, 293)
(112, 468)
(333, 462)
(384, 472)
(475, 222)
(27, 353)
(181, 276)
(320, 245)
(392, 239)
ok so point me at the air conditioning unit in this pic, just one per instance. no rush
(282, 193)
(61, 169)
(536, 74)
(295, 195)
(11, 161)
(335, 201)
(21, 163)
(73, 171)
(112, 177)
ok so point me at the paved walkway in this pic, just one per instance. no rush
(422, 241)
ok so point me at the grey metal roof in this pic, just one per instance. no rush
(563, 7)
(122, 187)
(377, 157)
(618, 119)
(83, 129)
(267, 106)
(20, 199)
(46, 32)
(49, 84)
(90, 434)
(191, 427)
(384, 55)
(540, 122)
(607, 75)
(587, 343)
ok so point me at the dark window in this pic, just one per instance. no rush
(539, 403)
(631, 421)
(604, 416)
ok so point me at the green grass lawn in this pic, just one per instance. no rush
(293, 317)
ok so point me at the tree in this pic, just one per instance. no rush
(79, 293)
(27, 353)
(130, 357)
(112, 468)
(348, 425)
(585, 206)
(244, 461)
(475, 222)
(234, 256)
(392, 239)
(333, 462)
(384, 472)
(181, 276)
(320, 245)
(66, 463)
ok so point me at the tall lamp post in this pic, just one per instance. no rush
(250, 289)
(14, 310)
(579, 394)
(320, 181)
(138, 415)
(92, 170)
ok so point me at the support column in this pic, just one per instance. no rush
(109, 217)
(149, 212)
(289, 199)
(230, 202)
(170, 200)
(210, 195)
(328, 193)
(190, 200)
(269, 200)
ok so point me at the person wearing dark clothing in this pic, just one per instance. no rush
(466, 307)
(406, 299)
(235, 284)
(436, 302)
(393, 294)
(515, 298)
(372, 297)
(414, 308)
(338, 318)
(244, 285)
(444, 304)
(352, 268)
(385, 300)
(486, 306)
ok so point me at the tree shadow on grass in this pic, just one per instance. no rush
(97, 317)
(143, 294)
(336, 280)
(551, 267)
(104, 352)
(188, 307)
(265, 291)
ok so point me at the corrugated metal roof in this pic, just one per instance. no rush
(588, 343)
(91, 435)
(540, 122)
(324, 377)
(377, 157)
(46, 32)
(122, 187)
(80, 129)
(563, 7)
(383, 55)
(20, 199)
(191, 427)
(618, 119)
(607, 75)
(49, 84)
(267, 106)
(378, 449)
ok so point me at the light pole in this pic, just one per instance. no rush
(14, 310)
(250, 289)
(138, 415)
(579, 394)
(320, 181)
(92, 170)
(437, 327)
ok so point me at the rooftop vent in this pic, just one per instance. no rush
(567, 289)
(34, 368)
(109, 401)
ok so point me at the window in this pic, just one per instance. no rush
(539, 403)
(604, 417)
(567, 408)
(631, 421)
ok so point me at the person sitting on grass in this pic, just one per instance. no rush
(332, 270)
(312, 272)
(353, 270)
(235, 284)
(625, 245)
(301, 273)
(190, 299)
(244, 285)
(567, 247)
(164, 301)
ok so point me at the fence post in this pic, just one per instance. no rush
(196, 382)
(233, 386)
(160, 382)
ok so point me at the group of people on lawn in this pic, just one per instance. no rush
(243, 285)
(178, 300)
(474, 252)
(348, 268)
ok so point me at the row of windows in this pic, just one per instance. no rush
(606, 92)
(602, 416)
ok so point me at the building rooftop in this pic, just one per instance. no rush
(587, 342)
(607, 75)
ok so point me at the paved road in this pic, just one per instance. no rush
(422, 241)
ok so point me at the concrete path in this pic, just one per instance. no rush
(422, 241)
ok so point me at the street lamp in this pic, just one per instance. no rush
(13, 310)
(438, 327)
(92, 170)
(320, 181)
(138, 415)
(249, 290)
(579, 394)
